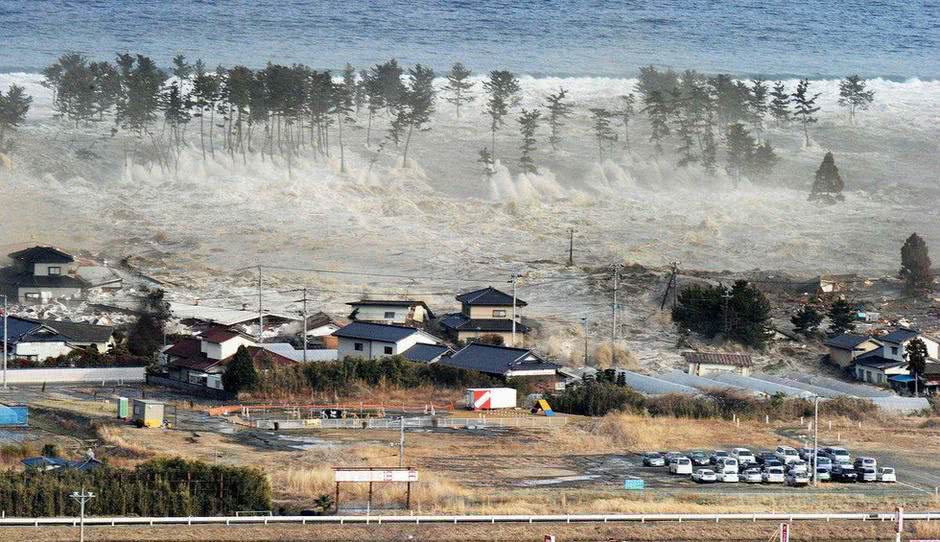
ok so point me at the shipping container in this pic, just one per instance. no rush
(490, 398)
(148, 413)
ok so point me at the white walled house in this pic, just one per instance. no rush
(219, 343)
(372, 341)
(895, 344)
(40, 274)
(486, 313)
(39, 340)
(705, 363)
(390, 311)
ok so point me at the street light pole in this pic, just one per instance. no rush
(81, 499)
(5, 345)
(815, 441)
(584, 321)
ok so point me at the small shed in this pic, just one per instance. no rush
(148, 413)
(705, 363)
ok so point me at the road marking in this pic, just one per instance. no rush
(915, 487)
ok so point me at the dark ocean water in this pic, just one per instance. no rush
(894, 39)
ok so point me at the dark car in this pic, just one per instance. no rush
(764, 456)
(844, 474)
(717, 456)
(653, 459)
(699, 458)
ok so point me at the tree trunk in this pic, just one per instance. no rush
(404, 158)
(369, 131)
(342, 154)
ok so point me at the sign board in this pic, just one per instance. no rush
(376, 475)
(784, 532)
(634, 484)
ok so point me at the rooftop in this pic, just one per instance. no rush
(21, 329)
(719, 358)
(489, 296)
(900, 335)
(425, 353)
(460, 322)
(42, 254)
(375, 332)
(847, 341)
(493, 359)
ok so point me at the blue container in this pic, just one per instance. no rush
(17, 415)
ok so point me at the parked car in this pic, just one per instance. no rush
(806, 454)
(763, 456)
(844, 473)
(653, 459)
(786, 454)
(727, 464)
(773, 475)
(699, 458)
(680, 465)
(837, 455)
(669, 456)
(744, 456)
(797, 479)
(716, 455)
(753, 476)
(772, 463)
(822, 461)
(727, 477)
(823, 474)
(867, 474)
(704, 476)
(865, 463)
(799, 466)
(886, 474)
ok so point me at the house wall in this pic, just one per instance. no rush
(42, 269)
(376, 349)
(703, 369)
(507, 336)
(41, 351)
(840, 357)
(403, 315)
(898, 352)
(45, 294)
(224, 349)
(485, 312)
(876, 376)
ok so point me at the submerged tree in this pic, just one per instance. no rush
(806, 321)
(828, 184)
(780, 104)
(503, 89)
(603, 132)
(486, 159)
(915, 264)
(853, 95)
(458, 86)
(558, 110)
(757, 106)
(806, 106)
(14, 106)
(626, 112)
(917, 355)
(417, 104)
(341, 107)
(658, 111)
(528, 123)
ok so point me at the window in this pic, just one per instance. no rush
(55, 270)
(388, 350)
(357, 347)
(499, 313)
(894, 350)
(389, 315)
(34, 296)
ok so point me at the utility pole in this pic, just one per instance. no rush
(815, 440)
(305, 324)
(81, 499)
(260, 314)
(5, 344)
(675, 284)
(613, 320)
(584, 321)
(513, 280)
(570, 247)
(401, 443)
(725, 296)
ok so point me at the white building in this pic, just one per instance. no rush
(39, 340)
(390, 311)
(40, 274)
(372, 341)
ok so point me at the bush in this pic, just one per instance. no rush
(596, 399)
(343, 376)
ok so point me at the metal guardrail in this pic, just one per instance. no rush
(535, 422)
(417, 520)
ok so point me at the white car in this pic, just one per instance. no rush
(787, 454)
(823, 474)
(680, 465)
(886, 474)
(744, 456)
(727, 477)
(753, 476)
(867, 474)
(838, 455)
(727, 464)
(774, 475)
(822, 461)
(798, 466)
(797, 479)
(704, 476)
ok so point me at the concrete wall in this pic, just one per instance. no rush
(41, 351)
(69, 375)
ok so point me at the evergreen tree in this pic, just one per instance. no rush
(558, 110)
(915, 264)
(528, 123)
(417, 103)
(241, 374)
(360, 96)
(780, 104)
(141, 83)
(709, 151)
(458, 86)
(373, 91)
(341, 106)
(146, 335)
(806, 106)
(757, 105)
(828, 184)
(740, 146)
(176, 113)
(107, 83)
(74, 82)
(388, 77)
(13, 109)
(626, 112)
(841, 317)
(503, 89)
(763, 159)
(806, 320)
(651, 80)
(658, 111)
(603, 133)
(731, 99)
(853, 95)
(916, 354)
(740, 314)
(205, 93)
(182, 70)
(487, 160)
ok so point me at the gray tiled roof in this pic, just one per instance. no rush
(489, 296)
(847, 341)
(498, 360)
(459, 322)
(375, 332)
(42, 254)
(425, 353)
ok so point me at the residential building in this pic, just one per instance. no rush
(427, 353)
(39, 340)
(486, 313)
(874, 368)
(390, 311)
(320, 328)
(41, 274)
(705, 363)
(896, 342)
(372, 341)
(507, 362)
(843, 349)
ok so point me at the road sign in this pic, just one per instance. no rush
(634, 484)
(376, 475)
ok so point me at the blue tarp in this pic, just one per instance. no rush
(14, 415)
(901, 378)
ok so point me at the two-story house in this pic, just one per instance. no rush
(889, 360)
(40, 274)
(507, 363)
(390, 311)
(486, 313)
(845, 348)
(364, 340)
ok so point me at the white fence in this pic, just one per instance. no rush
(91, 375)
(536, 422)
(417, 520)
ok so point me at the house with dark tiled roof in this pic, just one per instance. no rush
(505, 362)
(40, 274)
(487, 313)
(390, 311)
(427, 353)
(845, 348)
(39, 340)
(364, 340)
(705, 363)
(888, 361)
